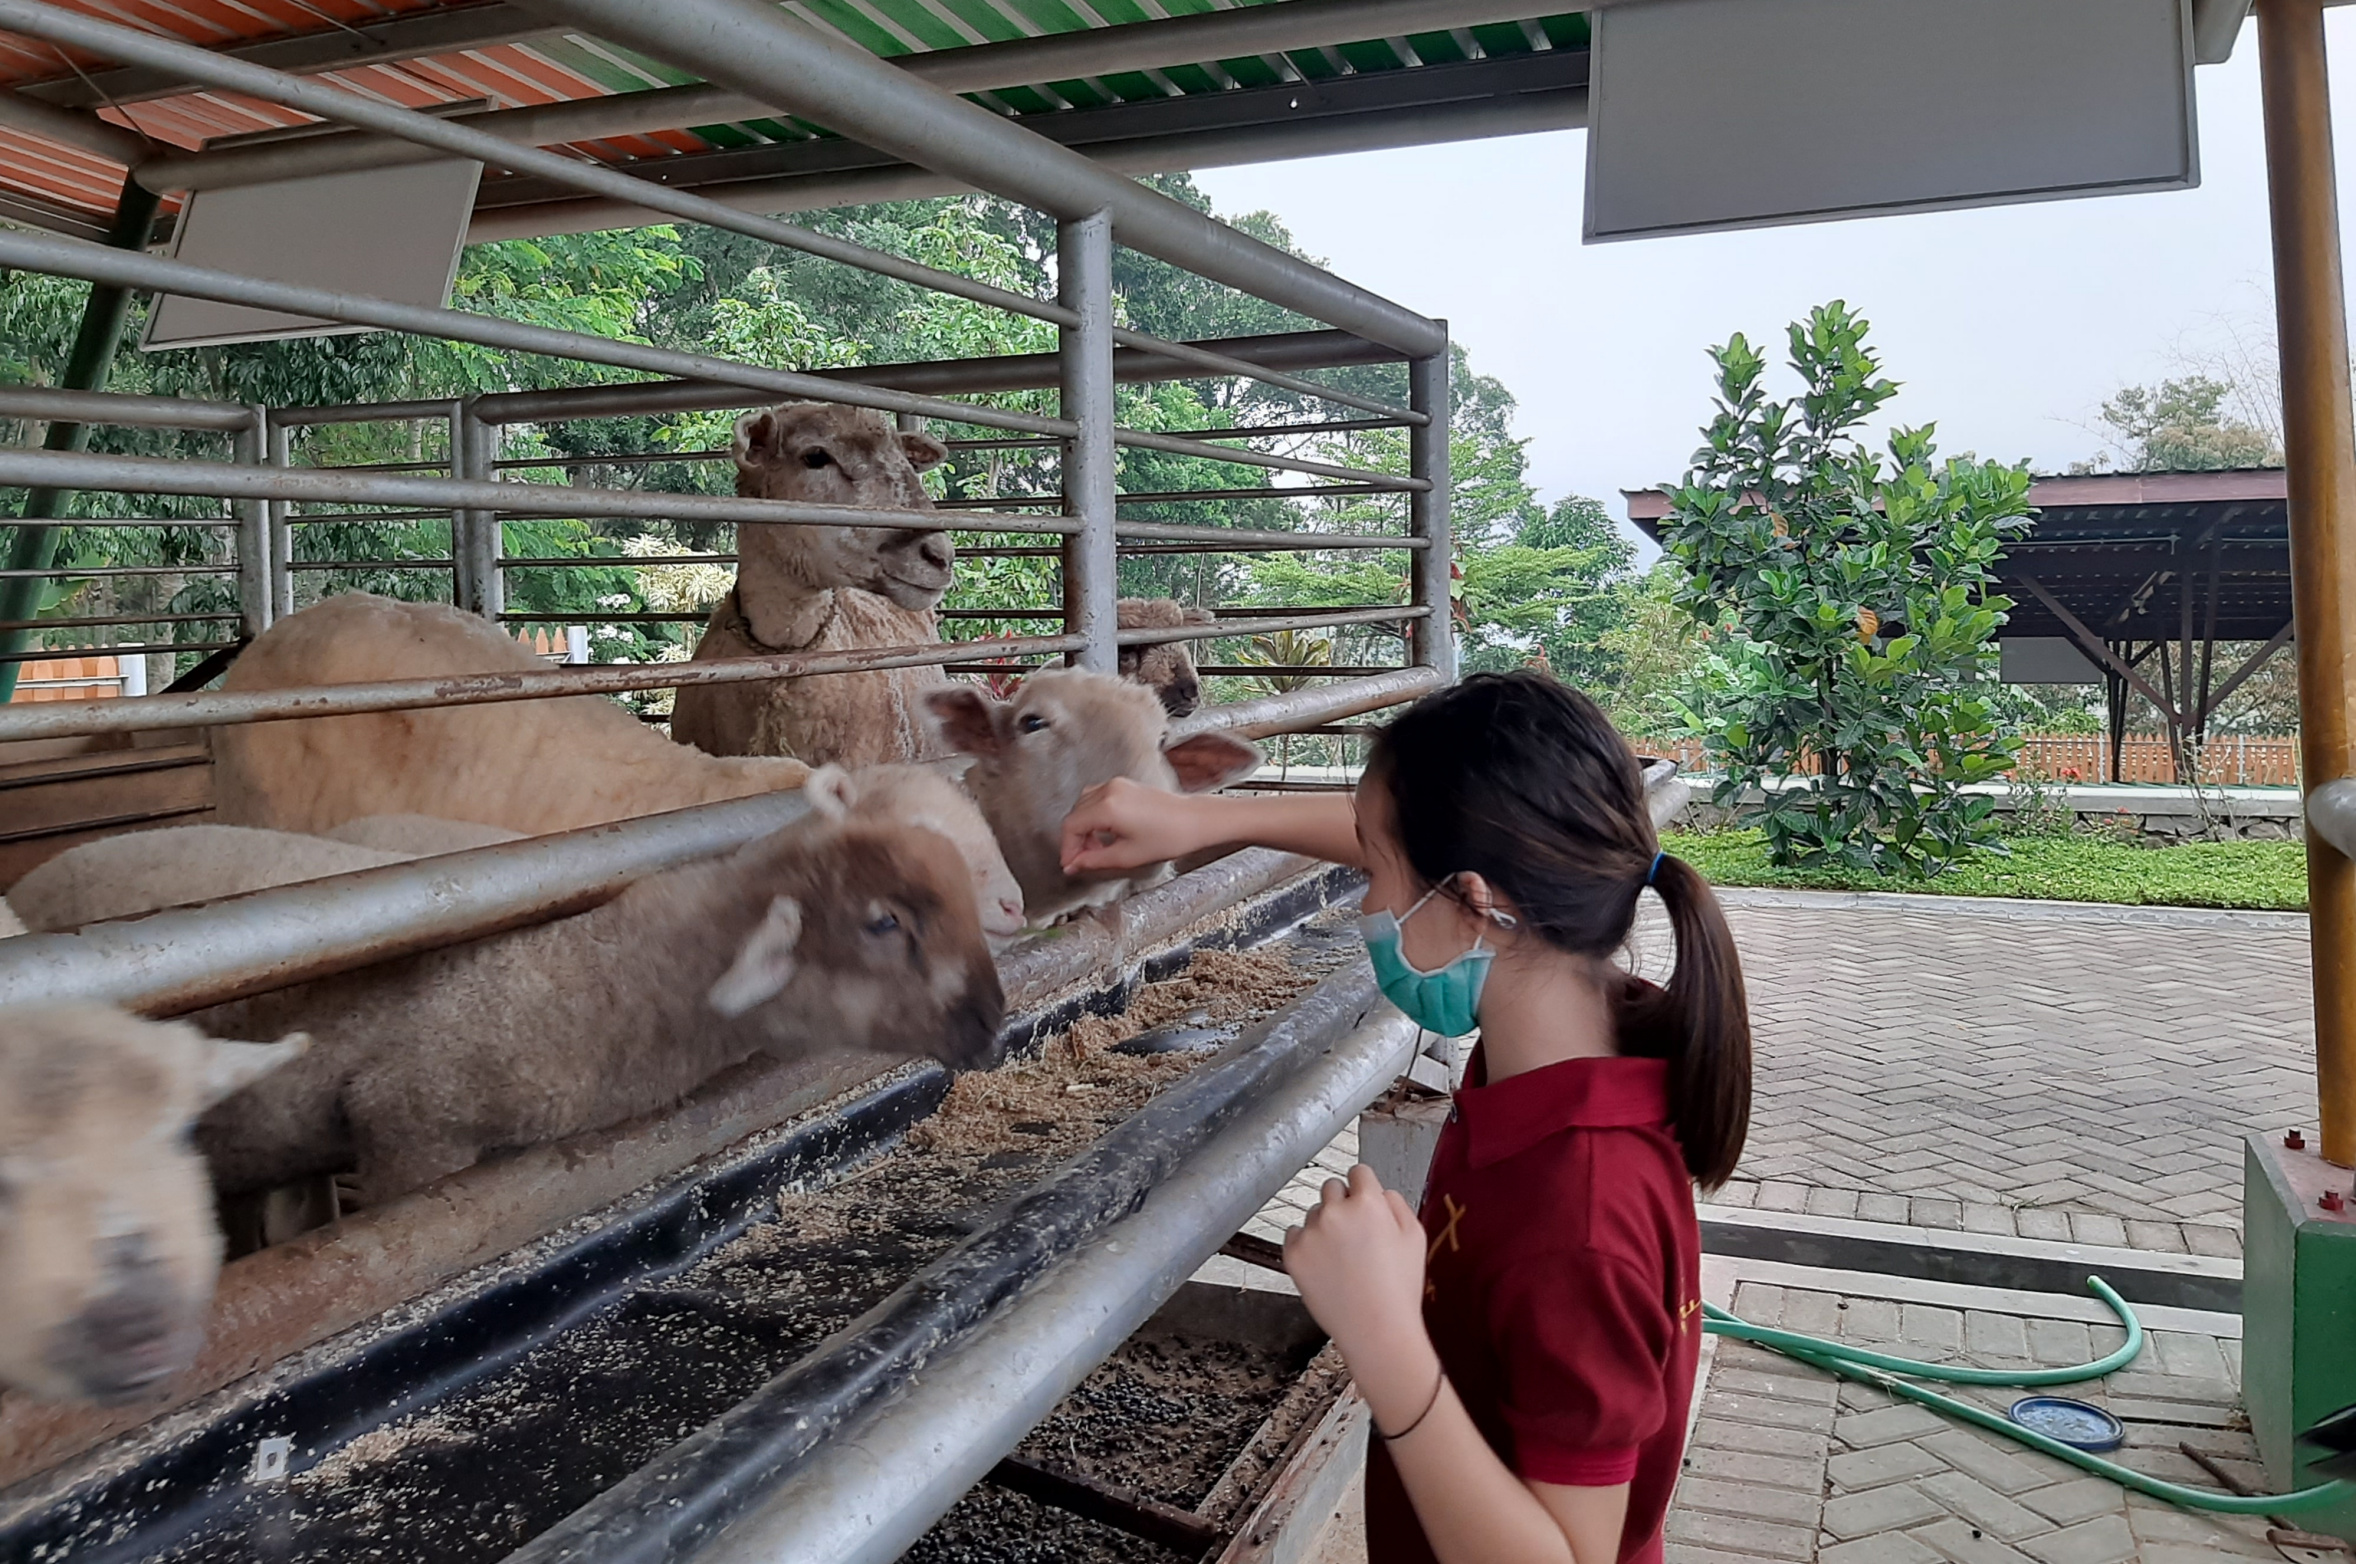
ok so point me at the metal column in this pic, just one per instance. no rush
(1091, 563)
(257, 553)
(474, 534)
(93, 355)
(278, 442)
(2319, 442)
(1433, 640)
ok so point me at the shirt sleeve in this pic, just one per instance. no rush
(1585, 1343)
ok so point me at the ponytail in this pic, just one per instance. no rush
(1528, 784)
(1704, 1023)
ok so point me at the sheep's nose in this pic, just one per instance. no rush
(131, 1337)
(1010, 916)
(1180, 697)
(936, 550)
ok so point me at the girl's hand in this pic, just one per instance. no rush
(1123, 825)
(1358, 1261)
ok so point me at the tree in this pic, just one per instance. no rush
(1860, 664)
(2181, 426)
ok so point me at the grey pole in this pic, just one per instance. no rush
(280, 448)
(1091, 586)
(474, 534)
(257, 595)
(754, 47)
(1434, 636)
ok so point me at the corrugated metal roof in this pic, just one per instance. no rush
(527, 66)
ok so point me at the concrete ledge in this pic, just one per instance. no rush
(2016, 909)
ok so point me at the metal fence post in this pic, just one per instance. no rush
(474, 534)
(257, 576)
(1433, 640)
(1091, 563)
(278, 447)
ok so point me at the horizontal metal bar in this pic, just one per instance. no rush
(454, 138)
(142, 649)
(314, 519)
(1296, 709)
(949, 377)
(632, 561)
(1246, 538)
(1223, 364)
(218, 709)
(1322, 491)
(171, 962)
(647, 458)
(80, 572)
(755, 48)
(102, 621)
(49, 404)
(1289, 671)
(1138, 439)
(1297, 621)
(364, 413)
(1331, 426)
(74, 128)
(370, 564)
(133, 269)
(123, 521)
(522, 617)
(162, 475)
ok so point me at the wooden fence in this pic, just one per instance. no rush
(2231, 760)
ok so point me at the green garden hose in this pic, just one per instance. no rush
(1881, 1371)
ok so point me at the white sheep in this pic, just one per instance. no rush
(826, 935)
(10, 924)
(144, 871)
(1066, 731)
(419, 836)
(525, 766)
(108, 1250)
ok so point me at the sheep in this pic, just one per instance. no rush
(1166, 669)
(419, 836)
(530, 767)
(1065, 731)
(924, 796)
(10, 924)
(825, 589)
(142, 871)
(108, 1251)
(827, 934)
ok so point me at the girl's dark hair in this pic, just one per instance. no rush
(1527, 784)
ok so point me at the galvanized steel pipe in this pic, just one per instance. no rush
(1297, 709)
(868, 1493)
(1091, 465)
(170, 962)
(132, 269)
(49, 404)
(768, 54)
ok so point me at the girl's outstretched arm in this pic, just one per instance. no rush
(1359, 1263)
(1122, 825)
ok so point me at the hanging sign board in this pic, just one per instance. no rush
(391, 233)
(1716, 114)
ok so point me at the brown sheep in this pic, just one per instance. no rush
(1064, 732)
(1166, 669)
(825, 589)
(825, 935)
(527, 766)
(108, 1250)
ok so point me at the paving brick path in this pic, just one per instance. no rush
(1788, 1464)
(2039, 1074)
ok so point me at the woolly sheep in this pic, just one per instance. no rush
(144, 871)
(108, 1252)
(1065, 731)
(526, 766)
(1166, 669)
(419, 836)
(923, 796)
(825, 935)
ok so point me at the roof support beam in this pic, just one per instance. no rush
(1216, 35)
(765, 53)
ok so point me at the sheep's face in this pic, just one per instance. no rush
(823, 455)
(866, 937)
(1167, 669)
(1064, 732)
(108, 1248)
(923, 796)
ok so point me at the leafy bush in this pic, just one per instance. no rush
(1855, 604)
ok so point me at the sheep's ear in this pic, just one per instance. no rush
(764, 963)
(231, 1067)
(756, 440)
(829, 792)
(966, 718)
(1198, 616)
(923, 450)
(1210, 760)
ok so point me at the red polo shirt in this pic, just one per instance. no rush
(1563, 1291)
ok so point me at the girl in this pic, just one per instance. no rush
(1528, 1350)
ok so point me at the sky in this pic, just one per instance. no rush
(2006, 326)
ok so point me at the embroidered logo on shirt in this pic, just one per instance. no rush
(1685, 1313)
(1447, 1234)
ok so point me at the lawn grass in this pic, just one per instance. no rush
(2046, 868)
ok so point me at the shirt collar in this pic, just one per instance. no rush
(1518, 1112)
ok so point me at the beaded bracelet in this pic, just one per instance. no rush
(1419, 1417)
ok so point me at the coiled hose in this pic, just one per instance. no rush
(1882, 1370)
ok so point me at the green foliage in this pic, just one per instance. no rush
(1856, 596)
(2183, 426)
(1654, 650)
(2080, 867)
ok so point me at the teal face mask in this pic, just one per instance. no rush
(1446, 1001)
